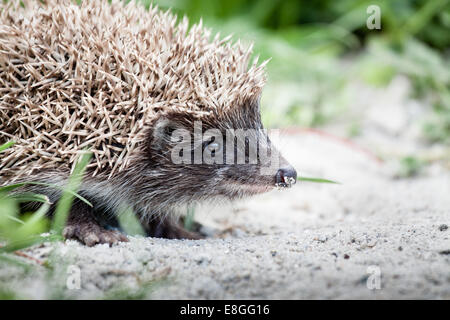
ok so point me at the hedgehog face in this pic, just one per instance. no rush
(221, 155)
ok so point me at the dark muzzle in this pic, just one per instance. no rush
(285, 177)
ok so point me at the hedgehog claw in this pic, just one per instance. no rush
(91, 234)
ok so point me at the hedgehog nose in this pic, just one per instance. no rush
(286, 177)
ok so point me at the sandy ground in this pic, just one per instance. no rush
(374, 236)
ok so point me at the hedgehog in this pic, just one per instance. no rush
(121, 80)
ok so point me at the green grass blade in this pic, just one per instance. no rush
(36, 218)
(189, 219)
(65, 203)
(6, 145)
(15, 219)
(12, 187)
(317, 180)
(30, 197)
(129, 223)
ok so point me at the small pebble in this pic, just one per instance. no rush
(443, 227)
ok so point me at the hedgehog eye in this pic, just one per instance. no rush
(168, 131)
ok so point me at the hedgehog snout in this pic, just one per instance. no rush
(285, 177)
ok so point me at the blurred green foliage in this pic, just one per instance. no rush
(428, 20)
(318, 47)
(409, 166)
(20, 229)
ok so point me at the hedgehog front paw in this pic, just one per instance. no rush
(91, 234)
